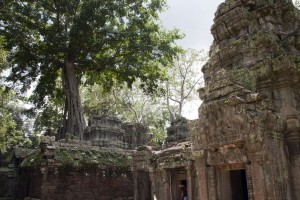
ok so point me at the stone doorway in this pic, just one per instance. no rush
(239, 184)
(233, 185)
(176, 177)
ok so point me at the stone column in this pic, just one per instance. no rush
(166, 186)
(288, 110)
(212, 183)
(200, 165)
(189, 180)
(257, 174)
(295, 174)
(152, 182)
(48, 152)
(249, 182)
(136, 192)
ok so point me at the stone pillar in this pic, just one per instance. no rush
(189, 170)
(249, 182)
(47, 164)
(295, 174)
(212, 183)
(136, 192)
(288, 110)
(293, 141)
(257, 174)
(166, 186)
(152, 180)
(200, 165)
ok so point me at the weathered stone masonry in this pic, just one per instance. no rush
(246, 145)
(97, 168)
(76, 170)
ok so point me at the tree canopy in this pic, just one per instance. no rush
(84, 41)
(154, 111)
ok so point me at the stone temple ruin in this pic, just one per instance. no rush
(245, 145)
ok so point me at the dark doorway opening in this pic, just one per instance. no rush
(183, 182)
(239, 184)
(177, 176)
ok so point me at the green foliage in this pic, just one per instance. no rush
(32, 160)
(10, 127)
(107, 41)
(130, 105)
(3, 63)
(82, 160)
(49, 119)
(92, 160)
(156, 111)
(85, 41)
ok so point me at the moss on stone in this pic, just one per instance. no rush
(82, 160)
(92, 160)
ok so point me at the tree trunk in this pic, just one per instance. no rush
(74, 113)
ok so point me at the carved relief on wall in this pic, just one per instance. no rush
(226, 155)
(220, 124)
(248, 118)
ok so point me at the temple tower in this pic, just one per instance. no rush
(248, 138)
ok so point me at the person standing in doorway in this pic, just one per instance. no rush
(183, 192)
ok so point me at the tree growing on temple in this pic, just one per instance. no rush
(84, 41)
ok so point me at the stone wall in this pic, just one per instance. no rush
(79, 186)
(75, 170)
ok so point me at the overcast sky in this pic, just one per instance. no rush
(194, 18)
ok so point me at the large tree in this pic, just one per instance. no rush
(84, 40)
(184, 78)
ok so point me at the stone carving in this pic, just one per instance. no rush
(250, 107)
(226, 155)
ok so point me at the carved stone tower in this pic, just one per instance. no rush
(249, 120)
